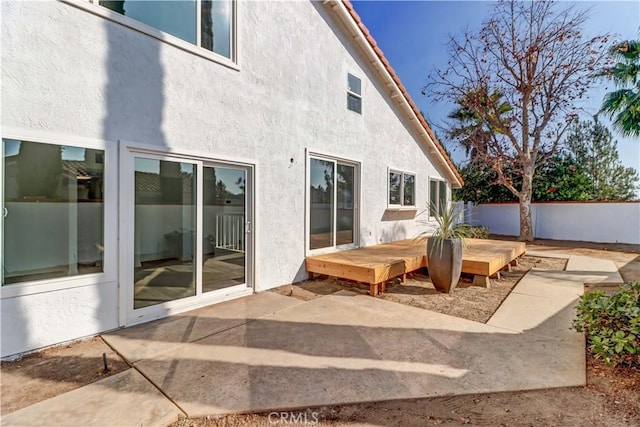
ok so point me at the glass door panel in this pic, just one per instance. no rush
(321, 219)
(224, 216)
(345, 209)
(165, 226)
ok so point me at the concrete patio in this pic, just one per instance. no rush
(268, 352)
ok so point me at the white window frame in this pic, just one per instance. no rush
(128, 151)
(401, 205)
(110, 242)
(93, 7)
(356, 203)
(446, 197)
(357, 95)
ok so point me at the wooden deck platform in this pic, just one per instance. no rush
(375, 265)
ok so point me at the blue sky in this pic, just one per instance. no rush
(412, 35)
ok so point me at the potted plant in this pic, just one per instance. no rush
(444, 248)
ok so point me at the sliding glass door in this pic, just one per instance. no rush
(332, 210)
(190, 232)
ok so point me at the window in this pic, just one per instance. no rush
(204, 23)
(438, 196)
(354, 94)
(332, 202)
(53, 211)
(402, 189)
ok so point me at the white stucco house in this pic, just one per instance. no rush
(162, 156)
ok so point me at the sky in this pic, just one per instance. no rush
(412, 35)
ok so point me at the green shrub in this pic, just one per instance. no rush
(612, 324)
(475, 232)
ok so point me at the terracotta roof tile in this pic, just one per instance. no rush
(403, 90)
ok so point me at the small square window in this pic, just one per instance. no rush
(354, 93)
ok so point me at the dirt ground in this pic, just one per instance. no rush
(54, 371)
(611, 397)
(466, 301)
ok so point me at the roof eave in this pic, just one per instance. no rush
(346, 13)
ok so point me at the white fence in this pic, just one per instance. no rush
(609, 222)
(460, 206)
(230, 231)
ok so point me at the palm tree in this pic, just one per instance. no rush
(469, 129)
(623, 105)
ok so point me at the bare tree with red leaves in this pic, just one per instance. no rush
(532, 56)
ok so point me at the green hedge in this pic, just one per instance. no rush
(474, 231)
(612, 324)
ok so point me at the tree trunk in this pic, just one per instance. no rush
(526, 226)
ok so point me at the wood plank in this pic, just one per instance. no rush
(351, 272)
(379, 263)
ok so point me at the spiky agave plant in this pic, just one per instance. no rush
(448, 226)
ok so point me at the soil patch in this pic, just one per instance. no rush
(466, 301)
(53, 371)
(611, 398)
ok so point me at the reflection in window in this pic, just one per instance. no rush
(223, 223)
(402, 189)
(354, 94)
(322, 203)
(53, 196)
(394, 187)
(180, 17)
(442, 196)
(437, 196)
(345, 213)
(409, 189)
(216, 26)
(176, 17)
(164, 243)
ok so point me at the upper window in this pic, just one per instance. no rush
(402, 189)
(204, 23)
(53, 211)
(438, 196)
(354, 93)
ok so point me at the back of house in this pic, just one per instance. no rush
(162, 156)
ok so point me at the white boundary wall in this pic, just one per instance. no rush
(610, 222)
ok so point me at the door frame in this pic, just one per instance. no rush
(356, 203)
(127, 314)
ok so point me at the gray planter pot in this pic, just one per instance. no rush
(445, 265)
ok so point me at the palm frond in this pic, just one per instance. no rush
(617, 100)
(622, 74)
(627, 50)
